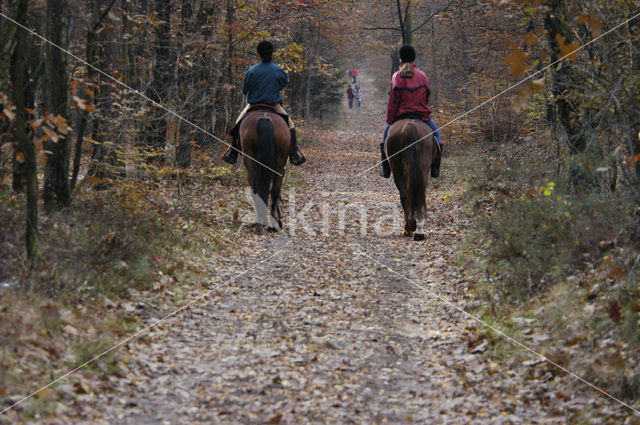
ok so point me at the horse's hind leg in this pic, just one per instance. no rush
(408, 231)
(275, 221)
(419, 234)
(260, 208)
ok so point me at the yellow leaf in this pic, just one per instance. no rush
(20, 157)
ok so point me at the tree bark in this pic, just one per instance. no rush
(96, 20)
(183, 150)
(563, 78)
(7, 44)
(162, 76)
(57, 192)
(24, 145)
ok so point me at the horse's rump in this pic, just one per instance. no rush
(410, 155)
(265, 141)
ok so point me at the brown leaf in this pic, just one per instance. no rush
(530, 39)
(567, 51)
(46, 394)
(6, 148)
(518, 61)
(275, 420)
(61, 124)
(9, 113)
(614, 311)
(617, 272)
(81, 387)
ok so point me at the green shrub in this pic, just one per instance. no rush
(546, 233)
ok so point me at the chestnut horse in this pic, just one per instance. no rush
(265, 141)
(411, 164)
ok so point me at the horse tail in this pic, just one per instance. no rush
(416, 199)
(267, 158)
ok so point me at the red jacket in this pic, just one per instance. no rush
(350, 94)
(409, 93)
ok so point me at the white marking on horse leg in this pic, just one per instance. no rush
(420, 226)
(261, 209)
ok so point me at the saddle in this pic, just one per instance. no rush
(266, 107)
(413, 115)
(410, 116)
(255, 108)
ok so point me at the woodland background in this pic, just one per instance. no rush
(98, 183)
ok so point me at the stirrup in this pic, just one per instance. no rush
(297, 159)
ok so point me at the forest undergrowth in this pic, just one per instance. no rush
(114, 259)
(553, 266)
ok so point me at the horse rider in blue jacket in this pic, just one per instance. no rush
(262, 85)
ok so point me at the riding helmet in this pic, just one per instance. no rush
(407, 54)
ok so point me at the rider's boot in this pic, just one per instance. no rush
(386, 168)
(295, 156)
(231, 155)
(435, 165)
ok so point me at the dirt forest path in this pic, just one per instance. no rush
(322, 332)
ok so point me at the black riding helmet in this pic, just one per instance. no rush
(265, 50)
(407, 54)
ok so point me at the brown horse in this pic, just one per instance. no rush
(265, 141)
(410, 164)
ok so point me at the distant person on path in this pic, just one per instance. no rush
(354, 74)
(350, 96)
(358, 95)
(409, 96)
(262, 85)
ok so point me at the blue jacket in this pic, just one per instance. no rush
(262, 83)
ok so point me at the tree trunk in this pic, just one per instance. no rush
(564, 78)
(162, 77)
(7, 44)
(57, 193)
(229, 106)
(97, 16)
(183, 150)
(25, 146)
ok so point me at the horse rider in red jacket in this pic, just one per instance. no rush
(409, 97)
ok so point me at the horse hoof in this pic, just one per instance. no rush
(407, 233)
(418, 237)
